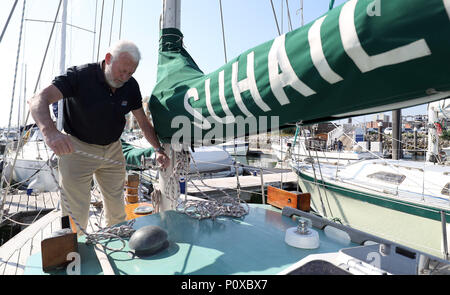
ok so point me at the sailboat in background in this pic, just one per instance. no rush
(397, 193)
(281, 87)
(34, 169)
(30, 163)
(306, 148)
(206, 160)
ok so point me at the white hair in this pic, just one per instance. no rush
(125, 46)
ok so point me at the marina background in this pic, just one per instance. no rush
(246, 24)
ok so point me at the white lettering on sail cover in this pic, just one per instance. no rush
(237, 86)
(278, 58)
(317, 55)
(248, 83)
(282, 74)
(227, 119)
(447, 7)
(363, 61)
(199, 120)
(223, 100)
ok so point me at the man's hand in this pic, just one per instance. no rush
(60, 143)
(162, 159)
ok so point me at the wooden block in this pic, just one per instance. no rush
(56, 248)
(304, 202)
(281, 198)
(132, 184)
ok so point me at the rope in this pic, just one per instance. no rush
(117, 232)
(212, 207)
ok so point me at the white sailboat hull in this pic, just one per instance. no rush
(208, 159)
(406, 218)
(300, 153)
(238, 148)
(32, 168)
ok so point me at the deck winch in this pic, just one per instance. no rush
(302, 236)
(148, 240)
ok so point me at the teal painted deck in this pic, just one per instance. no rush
(251, 245)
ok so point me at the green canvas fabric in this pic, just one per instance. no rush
(133, 155)
(361, 57)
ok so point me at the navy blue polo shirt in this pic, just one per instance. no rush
(92, 112)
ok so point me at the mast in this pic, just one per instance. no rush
(62, 61)
(171, 14)
(433, 137)
(396, 134)
(170, 18)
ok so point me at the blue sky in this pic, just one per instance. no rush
(248, 23)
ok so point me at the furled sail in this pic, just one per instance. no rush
(362, 57)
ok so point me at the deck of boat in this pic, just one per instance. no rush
(21, 202)
(15, 252)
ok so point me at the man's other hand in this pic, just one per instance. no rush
(162, 159)
(60, 143)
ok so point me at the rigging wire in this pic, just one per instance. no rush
(121, 18)
(112, 22)
(223, 32)
(95, 31)
(17, 65)
(19, 144)
(58, 22)
(289, 15)
(7, 21)
(275, 16)
(100, 33)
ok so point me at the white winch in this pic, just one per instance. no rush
(302, 236)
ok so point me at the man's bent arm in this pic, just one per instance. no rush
(150, 134)
(39, 109)
(146, 127)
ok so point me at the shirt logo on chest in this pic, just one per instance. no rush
(124, 103)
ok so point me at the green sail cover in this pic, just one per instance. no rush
(361, 57)
(133, 155)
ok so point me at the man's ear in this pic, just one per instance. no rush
(108, 58)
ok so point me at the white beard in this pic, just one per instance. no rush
(109, 78)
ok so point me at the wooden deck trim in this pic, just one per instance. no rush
(10, 252)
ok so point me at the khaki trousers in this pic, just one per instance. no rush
(76, 173)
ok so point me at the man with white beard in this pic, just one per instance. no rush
(96, 97)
